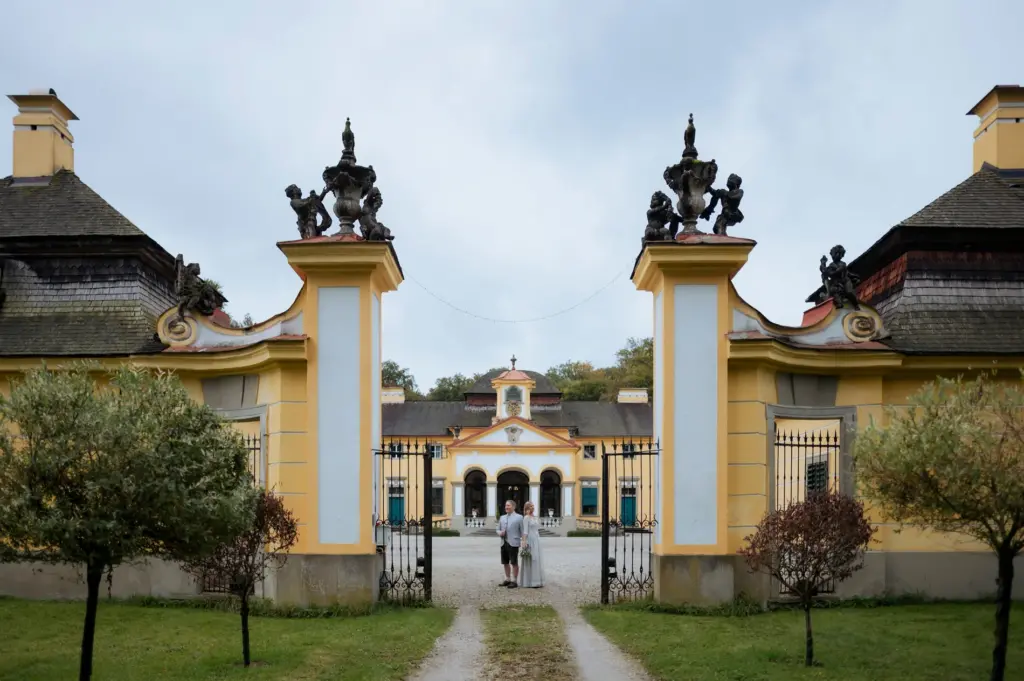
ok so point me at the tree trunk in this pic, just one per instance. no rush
(1003, 603)
(809, 647)
(93, 577)
(245, 629)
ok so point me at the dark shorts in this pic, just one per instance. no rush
(509, 554)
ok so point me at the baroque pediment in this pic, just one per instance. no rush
(514, 432)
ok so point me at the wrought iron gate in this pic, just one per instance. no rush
(629, 472)
(403, 518)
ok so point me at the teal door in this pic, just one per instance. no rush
(628, 511)
(396, 511)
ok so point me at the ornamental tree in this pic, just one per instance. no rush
(954, 462)
(809, 545)
(100, 476)
(243, 562)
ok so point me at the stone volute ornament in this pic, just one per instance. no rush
(838, 282)
(350, 183)
(690, 180)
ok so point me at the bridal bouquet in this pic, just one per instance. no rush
(525, 552)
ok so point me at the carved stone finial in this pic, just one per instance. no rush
(840, 284)
(689, 137)
(348, 141)
(513, 361)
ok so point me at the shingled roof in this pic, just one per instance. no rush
(59, 205)
(78, 278)
(948, 279)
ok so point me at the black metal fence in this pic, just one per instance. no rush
(628, 519)
(806, 462)
(404, 505)
(254, 443)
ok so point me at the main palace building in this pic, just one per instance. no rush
(940, 293)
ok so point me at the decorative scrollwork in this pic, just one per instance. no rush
(860, 326)
(179, 330)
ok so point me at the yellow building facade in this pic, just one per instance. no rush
(745, 415)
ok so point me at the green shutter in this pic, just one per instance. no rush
(590, 496)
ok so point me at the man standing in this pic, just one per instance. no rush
(510, 529)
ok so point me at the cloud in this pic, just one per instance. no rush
(516, 145)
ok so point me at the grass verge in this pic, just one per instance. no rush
(934, 642)
(526, 643)
(134, 643)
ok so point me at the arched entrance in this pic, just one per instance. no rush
(514, 485)
(475, 491)
(550, 494)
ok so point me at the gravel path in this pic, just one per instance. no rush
(467, 572)
(459, 654)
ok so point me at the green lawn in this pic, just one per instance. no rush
(41, 641)
(921, 642)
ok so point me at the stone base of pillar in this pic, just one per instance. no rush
(321, 580)
(694, 580)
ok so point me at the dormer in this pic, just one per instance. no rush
(513, 388)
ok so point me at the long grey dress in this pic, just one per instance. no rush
(531, 572)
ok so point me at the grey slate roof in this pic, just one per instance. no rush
(962, 291)
(78, 278)
(59, 205)
(593, 419)
(985, 200)
(483, 384)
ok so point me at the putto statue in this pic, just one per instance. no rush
(658, 215)
(308, 210)
(373, 229)
(351, 184)
(730, 198)
(192, 292)
(690, 180)
(839, 282)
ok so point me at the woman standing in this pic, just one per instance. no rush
(531, 574)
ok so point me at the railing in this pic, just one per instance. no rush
(476, 522)
(628, 519)
(253, 443)
(550, 521)
(804, 463)
(442, 524)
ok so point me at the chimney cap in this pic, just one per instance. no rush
(44, 97)
(996, 90)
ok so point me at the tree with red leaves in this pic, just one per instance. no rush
(809, 544)
(244, 562)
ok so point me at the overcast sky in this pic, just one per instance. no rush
(516, 144)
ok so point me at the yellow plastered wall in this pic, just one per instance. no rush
(751, 389)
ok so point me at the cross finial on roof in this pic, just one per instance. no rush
(513, 361)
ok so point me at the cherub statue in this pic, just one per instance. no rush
(373, 229)
(658, 215)
(191, 292)
(730, 198)
(840, 283)
(307, 210)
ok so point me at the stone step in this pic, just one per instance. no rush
(484, 532)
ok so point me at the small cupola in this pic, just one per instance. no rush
(513, 388)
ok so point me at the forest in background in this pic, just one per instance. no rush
(576, 379)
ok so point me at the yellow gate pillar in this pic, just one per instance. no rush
(690, 280)
(345, 279)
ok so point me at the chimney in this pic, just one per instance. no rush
(392, 395)
(42, 141)
(632, 396)
(999, 139)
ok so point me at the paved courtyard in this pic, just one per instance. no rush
(467, 571)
